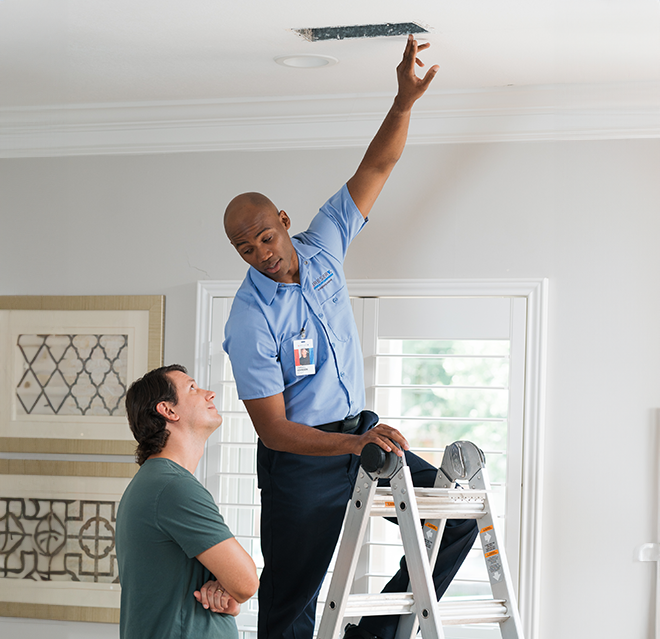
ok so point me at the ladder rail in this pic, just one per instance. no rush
(494, 553)
(355, 525)
(419, 568)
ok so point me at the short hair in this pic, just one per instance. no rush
(148, 426)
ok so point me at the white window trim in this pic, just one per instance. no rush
(536, 293)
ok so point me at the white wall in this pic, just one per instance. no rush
(584, 214)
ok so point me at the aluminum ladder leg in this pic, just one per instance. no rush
(419, 608)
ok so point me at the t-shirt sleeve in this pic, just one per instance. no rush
(335, 225)
(187, 513)
(253, 353)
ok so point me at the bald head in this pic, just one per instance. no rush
(245, 206)
(260, 234)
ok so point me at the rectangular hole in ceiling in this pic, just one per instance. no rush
(361, 31)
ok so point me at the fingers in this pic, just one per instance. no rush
(212, 596)
(410, 44)
(386, 437)
(220, 601)
(410, 53)
(430, 74)
(411, 87)
(421, 47)
(204, 594)
(412, 49)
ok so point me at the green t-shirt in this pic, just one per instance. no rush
(166, 518)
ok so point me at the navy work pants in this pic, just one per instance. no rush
(303, 503)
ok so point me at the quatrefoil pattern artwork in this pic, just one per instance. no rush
(72, 375)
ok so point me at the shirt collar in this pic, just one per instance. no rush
(268, 288)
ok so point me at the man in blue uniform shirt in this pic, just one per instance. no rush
(310, 418)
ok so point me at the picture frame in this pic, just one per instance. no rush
(57, 521)
(65, 364)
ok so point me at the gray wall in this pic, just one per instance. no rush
(584, 214)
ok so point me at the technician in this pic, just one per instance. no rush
(310, 418)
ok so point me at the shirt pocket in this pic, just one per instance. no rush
(339, 313)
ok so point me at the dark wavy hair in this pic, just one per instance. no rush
(147, 424)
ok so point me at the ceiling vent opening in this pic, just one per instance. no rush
(388, 29)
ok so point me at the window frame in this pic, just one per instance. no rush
(535, 292)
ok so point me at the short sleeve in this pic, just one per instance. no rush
(253, 353)
(187, 513)
(335, 225)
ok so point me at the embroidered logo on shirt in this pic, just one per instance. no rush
(323, 280)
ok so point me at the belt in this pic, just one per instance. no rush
(347, 425)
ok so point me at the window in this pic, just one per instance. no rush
(229, 468)
(443, 361)
(439, 369)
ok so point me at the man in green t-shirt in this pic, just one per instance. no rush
(183, 575)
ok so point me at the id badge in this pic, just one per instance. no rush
(303, 353)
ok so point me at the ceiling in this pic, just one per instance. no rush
(79, 54)
(87, 51)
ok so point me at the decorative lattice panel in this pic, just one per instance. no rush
(58, 540)
(72, 374)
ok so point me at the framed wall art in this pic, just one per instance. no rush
(57, 539)
(65, 366)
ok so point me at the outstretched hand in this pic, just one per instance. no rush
(412, 87)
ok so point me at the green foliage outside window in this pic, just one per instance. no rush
(461, 385)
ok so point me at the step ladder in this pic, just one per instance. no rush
(419, 608)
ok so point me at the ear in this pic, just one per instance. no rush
(166, 410)
(284, 218)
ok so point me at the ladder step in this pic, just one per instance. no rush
(435, 503)
(452, 612)
(477, 611)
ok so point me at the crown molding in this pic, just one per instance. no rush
(563, 112)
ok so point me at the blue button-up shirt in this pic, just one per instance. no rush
(267, 317)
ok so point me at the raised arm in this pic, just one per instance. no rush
(386, 147)
(268, 416)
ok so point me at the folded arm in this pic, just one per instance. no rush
(233, 569)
